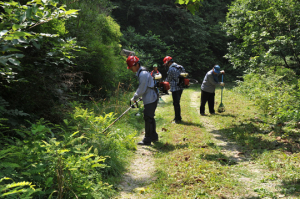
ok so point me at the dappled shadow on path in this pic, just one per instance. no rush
(189, 123)
(246, 142)
(290, 188)
(167, 147)
(227, 115)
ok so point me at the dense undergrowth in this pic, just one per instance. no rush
(71, 160)
(276, 91)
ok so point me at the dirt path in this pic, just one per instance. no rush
(139, 175)
(230, 149)
(142, 169)
(252, 182)
(140, 172)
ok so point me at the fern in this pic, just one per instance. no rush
(17, 189)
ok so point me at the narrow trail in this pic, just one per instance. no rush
(229, 148)
(141, 172)
(256, 173)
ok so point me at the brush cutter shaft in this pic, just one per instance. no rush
(221, 107)
(130, 107)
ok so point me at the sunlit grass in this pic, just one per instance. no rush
(191, 165)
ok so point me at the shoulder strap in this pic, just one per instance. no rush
(179, 67)
(142, 69)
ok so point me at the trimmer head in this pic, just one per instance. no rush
(221, 108)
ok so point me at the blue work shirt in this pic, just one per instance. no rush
(173, 77)
(146, 87)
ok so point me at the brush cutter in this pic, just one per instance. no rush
(221, 107)
(130, 107)
(127, 53)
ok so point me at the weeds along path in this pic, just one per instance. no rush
(248, 173)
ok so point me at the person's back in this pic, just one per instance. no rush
(173, 79)
(146, 86)
(209, 82)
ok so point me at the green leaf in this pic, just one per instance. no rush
(180, 1)
(38, 46)
(12, 50)
(23, 17)
(16, 26)
(28, 13)
(71, 12)
(192, 9)
(14, 61)
(98, 165)
(3, 32)
(9, 165)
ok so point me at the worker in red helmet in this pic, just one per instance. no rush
(176, 90)
(149, 95)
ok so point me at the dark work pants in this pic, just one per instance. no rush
(207, 97)
(176, 95)
(150, 125)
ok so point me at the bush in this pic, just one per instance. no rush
(276, 91)
(75, 160)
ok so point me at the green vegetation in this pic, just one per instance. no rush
(63, 81)
(70, 160)
(234, 154)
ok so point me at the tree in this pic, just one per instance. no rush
(264, 31)
(102, 66)
(195, 41)
(34, 56)
(192, 5)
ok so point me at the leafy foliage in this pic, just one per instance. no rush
(16, 190)
(192, 5)
(103, 68)
(263, 30)
(35, 57)
(63, 164)
(17, 20)
(276, 91)
(194, 41)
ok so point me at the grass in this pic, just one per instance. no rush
(191, 163)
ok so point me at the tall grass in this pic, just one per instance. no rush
(276, 91)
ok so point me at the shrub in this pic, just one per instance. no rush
(276, 91)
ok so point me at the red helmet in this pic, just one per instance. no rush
(131, 61)
(167, 59)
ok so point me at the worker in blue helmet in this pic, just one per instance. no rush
(208, 89)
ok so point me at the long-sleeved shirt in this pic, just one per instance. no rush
(145, 89)
(210, 82)
(173, 77)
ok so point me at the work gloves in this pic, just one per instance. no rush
(222, 84)
(132, 100)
